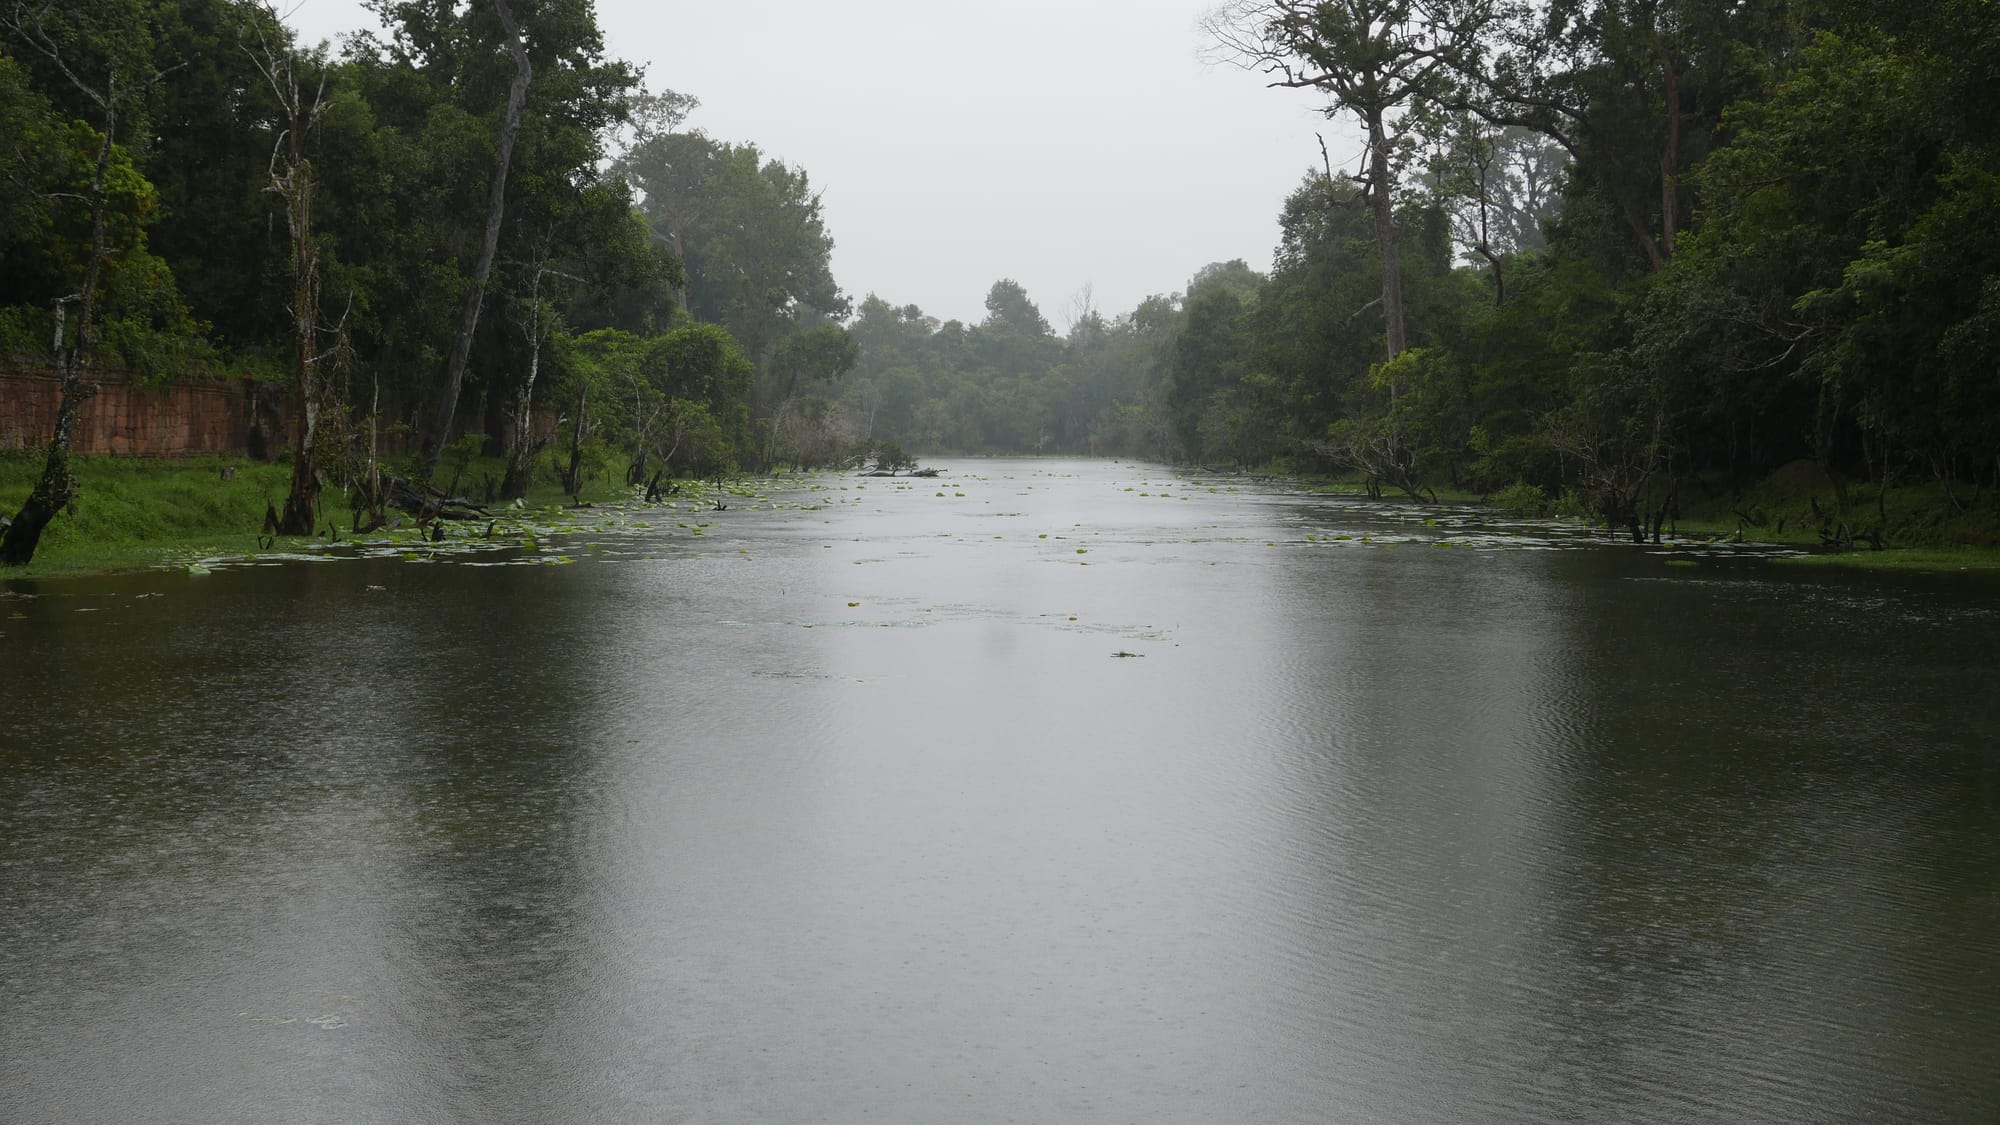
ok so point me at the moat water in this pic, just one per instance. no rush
(851, 808)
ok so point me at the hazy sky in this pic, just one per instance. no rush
(1062, 143)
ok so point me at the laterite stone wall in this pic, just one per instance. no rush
(178, 420)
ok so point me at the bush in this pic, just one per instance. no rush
(1523, 499)
(890, 458)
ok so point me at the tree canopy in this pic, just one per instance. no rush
(1601, 249)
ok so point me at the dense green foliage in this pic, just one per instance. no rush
(397, 137)
(1649, 252)
(1617, 254)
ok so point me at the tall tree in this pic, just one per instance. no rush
(1207, 359)
(802, 367)
(214, 129)
(415, 119)
(1847, 247)
(291, 179)
(1374, 59)
(1632, 90)
(1495, 185)
(105, 56)
(439, 430)
(751, 232)
(538, 321)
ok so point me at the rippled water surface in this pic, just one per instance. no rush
(845, 809)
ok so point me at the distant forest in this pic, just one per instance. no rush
(1594, 250)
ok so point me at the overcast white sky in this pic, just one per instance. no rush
(1062, 143)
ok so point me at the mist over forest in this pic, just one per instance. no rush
(1597, 254)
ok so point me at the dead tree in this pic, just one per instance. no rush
(291, 179)
(525, 445)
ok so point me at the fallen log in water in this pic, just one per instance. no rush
(428, 503)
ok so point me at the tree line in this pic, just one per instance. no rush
(468, 223)
(1601, 249)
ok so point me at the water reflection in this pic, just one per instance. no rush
(851, 813)
(279, 834)
(1763, 793)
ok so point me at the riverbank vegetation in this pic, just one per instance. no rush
(1645, 264)
(1651, 263)
(134, 513)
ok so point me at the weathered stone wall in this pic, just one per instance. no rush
(178, 420)
(234, 416)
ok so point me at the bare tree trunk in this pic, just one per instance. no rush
(1380, 192)
(573, 478)
(521, 450)
(1655, 257)
(1487, 157)
(301, 505)
(295, 187)
(1384, 206)
(1670, 153)
(680, 255)
(439, 431)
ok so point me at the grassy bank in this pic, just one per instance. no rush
(1920, 526)
(134, 512)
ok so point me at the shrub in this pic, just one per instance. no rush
(1523, 499)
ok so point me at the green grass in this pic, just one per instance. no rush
(1905, 558)
(1922, 526)
(132, 513)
